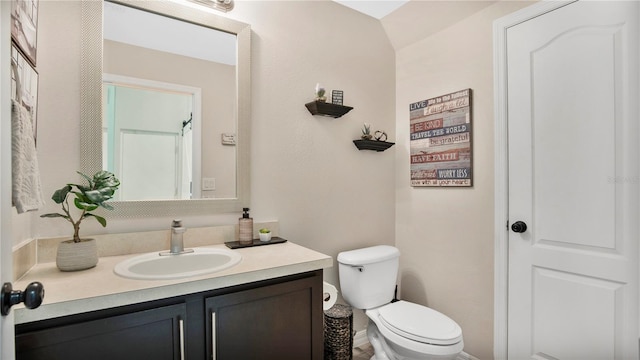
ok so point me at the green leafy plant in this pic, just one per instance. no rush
(102, 186)
(320, 93)
(264, 231)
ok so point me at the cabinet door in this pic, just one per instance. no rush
(150, 334)
(281, 321)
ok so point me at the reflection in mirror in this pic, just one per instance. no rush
(164, 113)
(143, 125)
(147, 134)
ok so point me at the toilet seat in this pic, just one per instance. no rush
(420, 323)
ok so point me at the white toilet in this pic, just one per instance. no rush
(399, 330)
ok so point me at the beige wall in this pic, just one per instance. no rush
(58, 111)
(306, 172)
(446, 235)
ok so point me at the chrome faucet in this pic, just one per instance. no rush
(177, 241)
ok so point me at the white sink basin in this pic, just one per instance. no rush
(153, 266)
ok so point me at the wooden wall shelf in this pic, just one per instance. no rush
(327, 109)
(372, 145)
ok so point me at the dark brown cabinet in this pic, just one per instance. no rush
(271, 319)
(275, 322)
(149, 334)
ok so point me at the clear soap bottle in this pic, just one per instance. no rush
(246, 228)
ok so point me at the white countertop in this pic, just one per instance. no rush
(68, 293)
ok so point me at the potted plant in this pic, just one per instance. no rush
(77, 253)
(366, 132)
(320, 93)
(265, 234)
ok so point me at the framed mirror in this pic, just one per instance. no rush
(204, 166)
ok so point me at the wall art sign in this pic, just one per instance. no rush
(24, 26)
(440, 141)
(337, 97)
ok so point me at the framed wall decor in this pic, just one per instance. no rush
(24, 26)
(440, 144)
(24, 84)
(337, 97)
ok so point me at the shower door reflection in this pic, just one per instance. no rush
(148, 141)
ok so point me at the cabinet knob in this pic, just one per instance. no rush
(32, 296)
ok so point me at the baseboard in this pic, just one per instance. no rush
(360, 339)
(464, 356)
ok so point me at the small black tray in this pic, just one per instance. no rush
(256, 242)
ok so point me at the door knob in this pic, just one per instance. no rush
(31, 296)
(519, 227)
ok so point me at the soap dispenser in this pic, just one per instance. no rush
(246, 228)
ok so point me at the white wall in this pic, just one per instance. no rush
(306, 172)
(446, 235)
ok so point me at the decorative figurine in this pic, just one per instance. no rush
(380, 135)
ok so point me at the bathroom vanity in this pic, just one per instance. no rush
(267, 307)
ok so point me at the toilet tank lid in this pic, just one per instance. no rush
(368, 255)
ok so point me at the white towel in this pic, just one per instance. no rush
(27, 191)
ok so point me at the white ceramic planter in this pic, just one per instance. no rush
(73, 256)
(265, 236)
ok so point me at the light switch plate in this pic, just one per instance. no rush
(208, 183)
(228, 139)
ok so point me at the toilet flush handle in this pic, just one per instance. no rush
(360, 268)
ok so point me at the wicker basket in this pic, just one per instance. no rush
(338, 333)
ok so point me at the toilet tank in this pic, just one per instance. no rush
(368, 276)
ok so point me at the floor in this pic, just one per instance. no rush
(364, 352)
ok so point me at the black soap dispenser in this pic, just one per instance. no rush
(246, 228)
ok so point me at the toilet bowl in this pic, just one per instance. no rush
(411, 331)
(397, 330)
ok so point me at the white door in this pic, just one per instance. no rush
(573, 155)
(149, 155)
(6, 322)
(6, 274)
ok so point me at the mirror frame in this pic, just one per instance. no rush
(91, 107)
